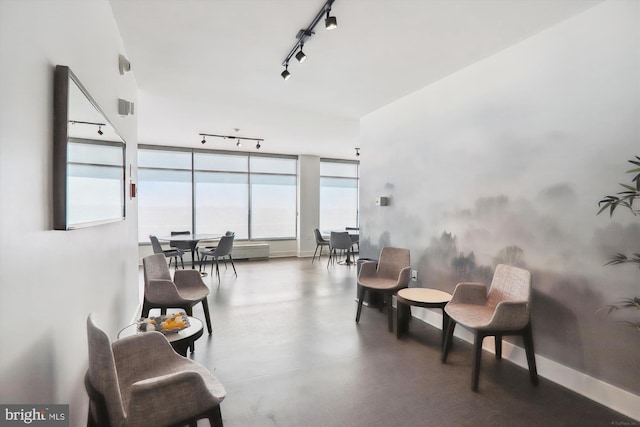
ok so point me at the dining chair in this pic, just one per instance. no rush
(321, 242)
(503, 309)
(141, 381)
(339, 243)
(222, 251)
(172, 254)
(184, 291)
(391, 273)
(185, 246)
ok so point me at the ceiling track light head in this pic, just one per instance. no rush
(330, 22)
(286, 74)
(300, 56)
(204, 141)
(258, 145)
(100, 130)
(357, 151)
(238, 143)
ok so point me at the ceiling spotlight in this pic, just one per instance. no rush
(357, 152)
(300, 56)
(258, 145)
(330, 22)
(203, 140)
(238, 144)
(100, 130)
(286, 74)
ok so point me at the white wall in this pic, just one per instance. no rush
(516, 150)
(51, 280)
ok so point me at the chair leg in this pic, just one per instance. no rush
(145, 309)
(207, 317)
(448, 340)
(389, 298)
(477, 355)
(314, 253)
(233, 265)
(527, 336)
(361, 290)
(498, 345)
(217, 269)
(181, 262)
(215, 417)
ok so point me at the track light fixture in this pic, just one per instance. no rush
(286, 74)
(300, 56)
(238, 139)
(357, 152)
(330, 23)
(78, 122)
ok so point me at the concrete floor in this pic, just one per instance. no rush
(286, 347)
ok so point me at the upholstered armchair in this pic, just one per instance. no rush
(141, 381)
(502, 310)
(391, 273)
(184, 291)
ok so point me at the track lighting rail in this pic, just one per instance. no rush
(305, 34)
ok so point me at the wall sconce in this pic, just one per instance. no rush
(123, 65)
(125, 108)
(382, 201)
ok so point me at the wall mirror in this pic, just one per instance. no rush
(88, 159)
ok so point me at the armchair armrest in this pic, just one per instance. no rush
(173, 396)
(162, 291)
(368, 269)
(188, 279)
(510, 315)
(404, 277)
(469, 293)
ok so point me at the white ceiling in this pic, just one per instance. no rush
(214, 65)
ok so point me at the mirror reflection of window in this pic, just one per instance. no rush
(94, 181)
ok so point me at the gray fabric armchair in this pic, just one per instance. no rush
(184, 291)
(390, 274)
(141, 381)
(502, 310)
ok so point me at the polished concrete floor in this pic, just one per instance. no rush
(287, 349)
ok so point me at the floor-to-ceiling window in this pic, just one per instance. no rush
(164, 192)
(339, 186)
(208, 191)
(273, 197)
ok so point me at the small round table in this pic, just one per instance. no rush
(420, 297)
(180, 341)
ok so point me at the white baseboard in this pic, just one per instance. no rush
(606, 394)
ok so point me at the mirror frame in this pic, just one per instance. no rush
(63, 77)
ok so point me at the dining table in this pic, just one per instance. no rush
(192, 240)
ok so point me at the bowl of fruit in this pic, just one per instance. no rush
(166, 323)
